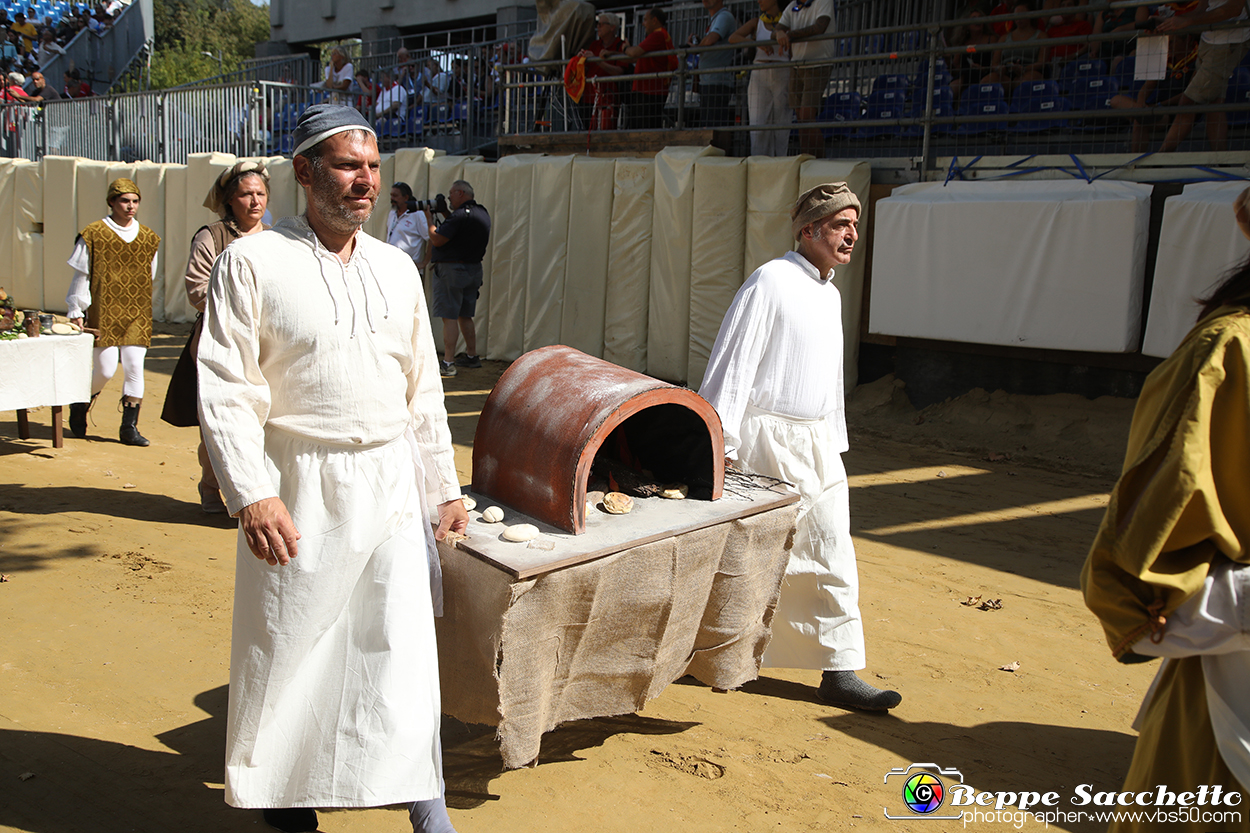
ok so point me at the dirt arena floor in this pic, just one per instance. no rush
(115, 632)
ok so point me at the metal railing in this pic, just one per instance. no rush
(921, 119)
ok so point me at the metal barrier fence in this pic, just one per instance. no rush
(883, 100)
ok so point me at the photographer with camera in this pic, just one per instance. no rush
(407, 227)
(459, 246)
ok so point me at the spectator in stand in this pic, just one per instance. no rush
(27, 30)
(9, 53)
(112, 8)
(392, 97)
(716, 88)
(1023, 56)
(75, 86)
(768, 91)
(339, 73)
(47, 47)
(969, 67)
(1181, 55)
(404, 72)
(40, 89)
(649, 94)
(99, 22)
(436, 82)
(368, 92)
(1068, 24)
(1219, 53)
(13, 89)
(1117, 20)
(603, 93)
(800, 24)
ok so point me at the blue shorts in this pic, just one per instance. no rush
(455, 289)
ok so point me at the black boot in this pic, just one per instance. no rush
(78, 417)
(129, 433)
(291, 819)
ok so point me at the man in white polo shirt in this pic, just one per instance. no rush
(1219, 53)
(799, 24)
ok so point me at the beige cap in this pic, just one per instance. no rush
(819, 203)
(216, 199)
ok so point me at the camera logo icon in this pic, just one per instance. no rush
(923, 790)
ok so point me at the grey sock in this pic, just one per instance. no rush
(430, 816)
(844, 688)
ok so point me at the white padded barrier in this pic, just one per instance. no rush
(1041, 264)
(1198, 243)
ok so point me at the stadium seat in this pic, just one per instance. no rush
(982, 100)
(886, 103)
(1076, 70)
(841, 107)
(895, 81)
(1124, 76)
(1239, 93)
(943, 106)
(1038, 97)
(941, 76)
(1094, 93)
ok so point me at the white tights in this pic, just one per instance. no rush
(104, 365)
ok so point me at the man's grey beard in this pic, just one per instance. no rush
(325, 197)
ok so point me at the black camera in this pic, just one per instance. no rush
(438, 205)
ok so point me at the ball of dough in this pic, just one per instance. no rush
(520, 532)
(618, 503)
(674, 491)
(492, 514)
(469, 503)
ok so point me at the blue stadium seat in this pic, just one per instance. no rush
(982, 100)
(886, 103)
(416, 121)
(1075, 70)
(1095, 93)
(1124, 76)
(941, 76)
(943, 106)
(1238, 92)
(841, 107)
(1038, 97)
(895, 81)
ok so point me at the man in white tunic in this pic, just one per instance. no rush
(324, 418)
(775, 379)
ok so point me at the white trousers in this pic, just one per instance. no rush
(334, 690)
(817, 624)
(768, 103)
(104, 365)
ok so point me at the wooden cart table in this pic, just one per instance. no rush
(568, 627)
(49, 370)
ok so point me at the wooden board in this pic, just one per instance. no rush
(651, 519)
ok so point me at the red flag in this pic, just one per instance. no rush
(575, 78)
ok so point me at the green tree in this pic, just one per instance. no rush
(186, 29)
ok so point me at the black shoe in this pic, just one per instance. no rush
(129, 432)
(78, 420)
(446, 369)
(465, 360)
(847, 691)
(292, 819)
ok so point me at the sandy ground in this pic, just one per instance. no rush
(115, 623)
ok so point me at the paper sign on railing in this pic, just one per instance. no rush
(1152, 59)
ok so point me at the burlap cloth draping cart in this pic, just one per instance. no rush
(597, 624)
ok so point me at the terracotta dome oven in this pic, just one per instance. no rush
(558, 419)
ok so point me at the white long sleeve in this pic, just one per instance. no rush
(779, 349)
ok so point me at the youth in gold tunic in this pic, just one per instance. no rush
(114, 263)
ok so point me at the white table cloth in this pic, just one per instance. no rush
(45, 371)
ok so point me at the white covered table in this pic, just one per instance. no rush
(1198, 243)
(46, 371)
(1058, 265)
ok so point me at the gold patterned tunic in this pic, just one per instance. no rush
(121, 284)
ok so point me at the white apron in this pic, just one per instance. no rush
(334, 695)
(817, 624)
